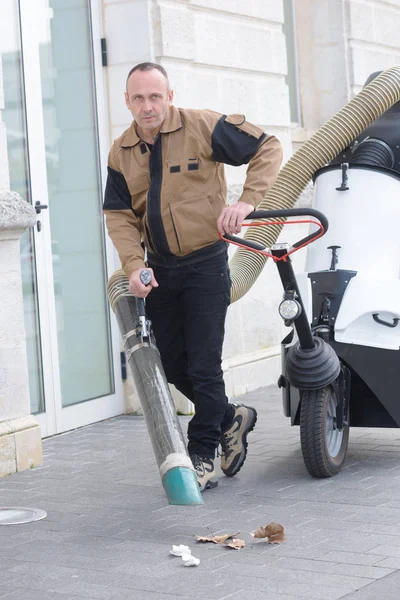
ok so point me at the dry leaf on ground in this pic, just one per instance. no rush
(273, 532)
(236, 544)
(216, 539)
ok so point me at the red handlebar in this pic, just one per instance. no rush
(322, 224)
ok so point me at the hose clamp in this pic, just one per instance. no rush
(143, 344)
(132, 332)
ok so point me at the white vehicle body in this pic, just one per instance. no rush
(365, 222)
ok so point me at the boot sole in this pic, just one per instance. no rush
(210, 485)
(239, 461)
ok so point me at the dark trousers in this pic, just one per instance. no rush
(188, 312)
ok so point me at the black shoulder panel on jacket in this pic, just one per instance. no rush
(233, 146)
(117, 195)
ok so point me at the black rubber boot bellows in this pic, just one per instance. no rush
(312, 369)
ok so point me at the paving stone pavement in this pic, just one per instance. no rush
(109, 528)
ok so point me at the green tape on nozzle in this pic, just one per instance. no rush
(181, 486)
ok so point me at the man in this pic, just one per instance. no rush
(166, 187)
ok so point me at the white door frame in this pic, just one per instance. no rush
(57, 419)
(38, 181)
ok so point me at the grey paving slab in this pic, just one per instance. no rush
(37, 595)
(6, 591)
(267, 595)
(372, 572)
(317, 592)
(353, 558)
(388, 588)
(109, 527)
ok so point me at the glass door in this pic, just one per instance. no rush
(14, 117)
(74, 190)
(79, 342)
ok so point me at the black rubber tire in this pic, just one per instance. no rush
(314, 434)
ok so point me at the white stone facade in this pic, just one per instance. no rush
(339, 45)
(230, 56)
(373, 38)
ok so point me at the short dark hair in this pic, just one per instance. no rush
(147, 66)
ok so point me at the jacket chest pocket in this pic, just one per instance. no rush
(194, 222)
(138, 184)
(138, 188)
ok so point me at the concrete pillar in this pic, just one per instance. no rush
(20, 439)
(321, 28)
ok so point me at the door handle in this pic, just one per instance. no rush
(39, 207)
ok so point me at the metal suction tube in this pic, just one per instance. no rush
(176, 470)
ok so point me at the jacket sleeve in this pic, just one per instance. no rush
(236, 142)
(123, 224)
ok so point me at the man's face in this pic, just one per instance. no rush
(148, 98)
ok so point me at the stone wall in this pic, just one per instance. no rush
(373, 38)
(339, 45)
(229, 56)
(322, 60)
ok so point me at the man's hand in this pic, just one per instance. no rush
(137, 288)
(231, 219)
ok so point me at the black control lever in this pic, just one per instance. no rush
(335, 258)
(343, 186)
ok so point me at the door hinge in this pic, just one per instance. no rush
(104, 52)
(123, 366)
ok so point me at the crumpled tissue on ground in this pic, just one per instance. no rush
(190, 561)
(180, 550)
(186, 554)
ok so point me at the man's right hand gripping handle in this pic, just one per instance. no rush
(141, 282)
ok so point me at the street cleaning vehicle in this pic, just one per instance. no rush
(341, 359)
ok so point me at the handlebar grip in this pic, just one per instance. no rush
(145, 276)
(293, 212)
(238, 240)
(290, 212)
(267, 215)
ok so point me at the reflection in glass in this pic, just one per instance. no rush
(74, 200)
(13, 116)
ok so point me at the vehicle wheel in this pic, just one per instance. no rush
(323, 445)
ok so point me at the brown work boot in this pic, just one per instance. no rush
(205, 471)
(234, 439)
